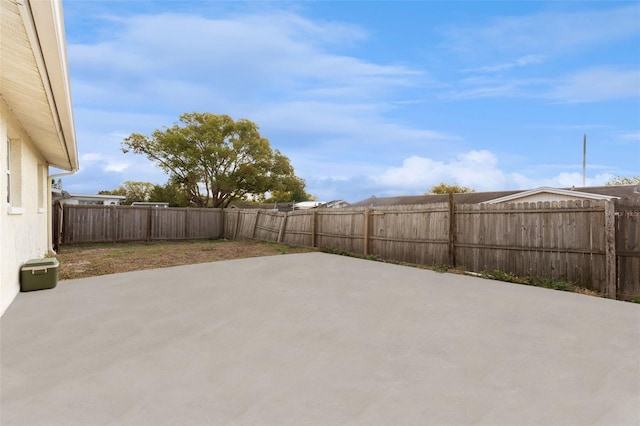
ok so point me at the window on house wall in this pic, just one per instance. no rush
(14, 176)
(89, 203)
(42, 177)
(8, 171)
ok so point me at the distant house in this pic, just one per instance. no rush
(287, 207)
(281, 207)
(150, 204)
(467, 198)
(515, 196)
(36, 131)
(335, 204)
(86, 200)
(551, 194)
(305, 205)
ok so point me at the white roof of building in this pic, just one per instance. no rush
(65, 194)
(308, 204)
(548, 190)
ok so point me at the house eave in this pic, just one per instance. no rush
(34, 78)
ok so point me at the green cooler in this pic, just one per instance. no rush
(39, 274)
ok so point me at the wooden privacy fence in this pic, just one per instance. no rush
(93, 224)
(591, 243)
(594, 244)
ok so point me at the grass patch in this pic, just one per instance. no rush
(282, 248)
(88, 260)
(438, 268)
(496, 274)
(545, 282)
(340, 252)
(442, 267)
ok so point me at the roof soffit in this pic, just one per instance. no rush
(27, 88)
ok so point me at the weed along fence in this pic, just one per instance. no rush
(92, 224)
(594, 244)
(591, 243)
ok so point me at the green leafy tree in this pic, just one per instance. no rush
(169, 193)
(214, 159)
(443, 188)
(293, 190)
(619, 180)
(134, 191)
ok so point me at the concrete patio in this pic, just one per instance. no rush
(315, 339)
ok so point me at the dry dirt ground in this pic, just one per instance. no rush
(88, 260)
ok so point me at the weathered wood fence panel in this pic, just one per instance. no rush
(202, 224)
(231, 222)
(414, 234)
(94, 224)
(131, 224)
(169, 225)
(247, 224)
(267, 226)
(628, 247)
(560, 240)
(341, 229)
(87, 225)
(298, 229)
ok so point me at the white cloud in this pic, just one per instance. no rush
(550, 37)
(343, 125)
(598, 84)
(519, 62)
(498, 87)
(634, 137)
(547, 33)
(91, 157)
(248, 53)
(476, 169)
(569, 179)
(172, 63)
(588, 85)
(115, 166)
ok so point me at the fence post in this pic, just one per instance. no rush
(610, 250)
(57, 225)
(114, 223)
(187, 223)
(149, 224)
(452, 231)
(221, 227)
(283, 225)
(65, 229)
(365, 231)
(255, 225)
(313, 228)
(235, 234)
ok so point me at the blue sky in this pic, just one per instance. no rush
(367, 98)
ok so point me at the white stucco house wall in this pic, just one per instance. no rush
(36, 131)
